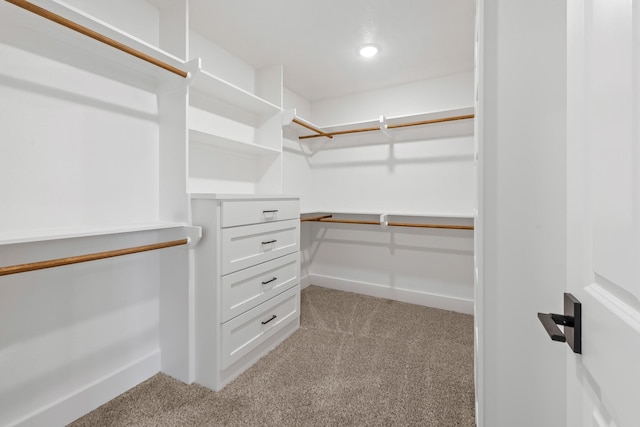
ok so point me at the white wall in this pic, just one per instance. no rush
(419, 266)
(78, 149)
(522, 111)
(427, 176)
(221, 63)
(432, 175)
(454, 91)
(136, 17)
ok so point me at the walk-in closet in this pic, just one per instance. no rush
(177, 208)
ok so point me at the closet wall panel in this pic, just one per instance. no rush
(80, 165)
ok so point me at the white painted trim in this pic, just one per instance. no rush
(404, 295)
(305, 282)
(617, 306)
(88, 398)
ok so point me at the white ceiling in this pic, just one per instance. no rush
(317, 40)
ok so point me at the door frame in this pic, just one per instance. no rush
(521, 219)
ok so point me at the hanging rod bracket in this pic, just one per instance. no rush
(384, 128)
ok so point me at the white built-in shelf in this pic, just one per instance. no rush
(451, 214)
(210, 86)
(439, 220)
(221, 143)
(59, 233)
(31, 32)
(389, 130)
(234, 196)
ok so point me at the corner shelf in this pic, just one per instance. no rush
(27, 31)
(381, 130)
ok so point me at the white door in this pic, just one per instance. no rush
(603, 384)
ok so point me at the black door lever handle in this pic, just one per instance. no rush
(571, 320)
(549, 323)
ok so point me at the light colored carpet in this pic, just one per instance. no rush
(355, 361)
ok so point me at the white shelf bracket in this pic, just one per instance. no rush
(194, 234)
(384, 127)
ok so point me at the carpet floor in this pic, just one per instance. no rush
(355, 361)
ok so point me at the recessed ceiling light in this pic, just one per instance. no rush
(368, 50)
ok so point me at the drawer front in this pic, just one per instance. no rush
(247, 246)
(247, 331)
(247, 288)
(243, 212)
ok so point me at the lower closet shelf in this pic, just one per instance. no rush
(383, 220)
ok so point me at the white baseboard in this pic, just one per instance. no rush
(404, 295)
(304, 282)
(88, 398)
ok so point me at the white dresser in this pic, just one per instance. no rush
(247, 281)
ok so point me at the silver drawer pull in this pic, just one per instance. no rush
(270, 211)
(269, 241)
(269, 281)
(267, 321)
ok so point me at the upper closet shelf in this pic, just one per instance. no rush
(62, 33)
(231, 145)
(216, 89)
(383, 129)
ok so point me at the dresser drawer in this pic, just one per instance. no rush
(247, 288)
(242, 334)
(249, 245)
(245, 212)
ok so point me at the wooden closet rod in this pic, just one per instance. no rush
(311, 127)
(58, 262)
(400, 125)
(326, 218)
(95, 35)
